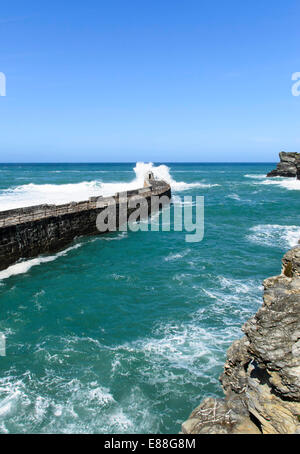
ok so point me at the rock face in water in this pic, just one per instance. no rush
(261, 378)
(289, 166)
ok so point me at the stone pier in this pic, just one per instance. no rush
(28, 232)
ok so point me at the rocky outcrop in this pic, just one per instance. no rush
(289, 166)
(261, 378)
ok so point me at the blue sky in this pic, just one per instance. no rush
(144, 80)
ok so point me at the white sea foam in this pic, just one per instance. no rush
(241, 294)
(255, 176)
(234, 297)
(237, 286)
(192, 346)
(175, 256)
(175, 355)
(118, 237)
(24, 407)
(283, 236)
(196, 345)
(35, 194)
(177, 200)
(163, 172)
(6, 404)
(234, 197)
(72, 404)
(24, 267)
(287, 183)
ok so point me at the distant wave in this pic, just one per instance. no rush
(256, 176)
(36, 194)
(283, 236)
(287, 183)
(233, 197)
(175, 256)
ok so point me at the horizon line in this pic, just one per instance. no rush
(134, 162)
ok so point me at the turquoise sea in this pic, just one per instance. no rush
(126, 333)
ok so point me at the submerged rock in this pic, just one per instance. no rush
(261, 378)
(289, 166)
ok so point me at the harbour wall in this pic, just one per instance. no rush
(30, 231)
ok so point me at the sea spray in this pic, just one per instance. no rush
(35, 194)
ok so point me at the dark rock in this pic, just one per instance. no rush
(289, 166)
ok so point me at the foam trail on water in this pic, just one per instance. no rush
(233, 196)
(255, 176)
(36, 194)
(286, 183)
(283, 236)
(24, 267)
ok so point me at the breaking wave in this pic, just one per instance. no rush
(287, 183)
(36, 194)
(256, 176)
(291, 184)
(163, 172)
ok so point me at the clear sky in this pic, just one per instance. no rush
(160, 80)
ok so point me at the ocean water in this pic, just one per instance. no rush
(126, 333)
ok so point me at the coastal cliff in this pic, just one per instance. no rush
(261, 378)
(289, 166)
